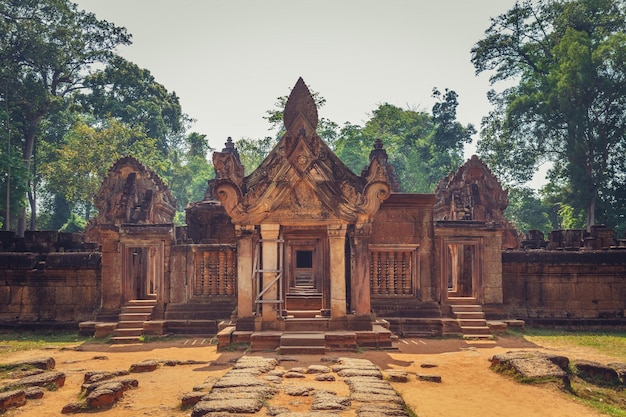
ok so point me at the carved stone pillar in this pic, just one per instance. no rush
(360, 279)
(337, 244)
(245, 254)
(269, 236)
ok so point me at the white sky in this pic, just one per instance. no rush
(229, 60)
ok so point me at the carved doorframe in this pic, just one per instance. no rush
(469, 246)
(151, 273)
(314, 239)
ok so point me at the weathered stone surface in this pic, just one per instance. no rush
(50, 380)
(237, 381)
(97, 376)
(532, 366)
(620, 368)
(273, 379)
(34, 393)
(191, 398)
(428, 365)
(325, 377)
(18, 374)
(127, 383)
(291, 374)
(329, 401)
(299, 370)
(317, 369)
(274, 411)
(261, 363)
(396, 375)
(105, 396)
(73, 408)
(369, 397)
(239, 405)
(10, 399)
(429, 378)
(375, 410)
(596, 373)
(45, 363)
(144, 366)
(298, 391)
(372, 373)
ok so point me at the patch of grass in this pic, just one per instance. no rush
(18, 341)
(610, 343)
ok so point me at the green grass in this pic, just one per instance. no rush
(609, 343)
(12, 341)
(612, 344)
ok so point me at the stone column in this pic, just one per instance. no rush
(245, 254)
(337, 245)
(269, 236)
(361, 272)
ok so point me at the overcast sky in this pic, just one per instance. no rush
(228, 61)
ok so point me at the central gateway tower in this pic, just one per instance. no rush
(303, 222)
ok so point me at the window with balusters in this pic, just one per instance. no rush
(216, 273)
(392, 271)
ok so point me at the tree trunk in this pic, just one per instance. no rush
(27, 155)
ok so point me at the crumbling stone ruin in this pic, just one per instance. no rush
(304, 244)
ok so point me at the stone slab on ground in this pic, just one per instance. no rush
(532, 365)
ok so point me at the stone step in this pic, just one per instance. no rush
(303, 339)
(464, 322)
(306, 324)
(134, 316)
(141, 303)
(300, 314)
(119, 340)
(476, 330)
(138, 309)
(462, 301)
(467, 308)
(302, 350)
(469, 315)
(478, 336)
(138, 324)
(128, 332)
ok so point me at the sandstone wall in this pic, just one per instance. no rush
(59, 287)
(562, 285)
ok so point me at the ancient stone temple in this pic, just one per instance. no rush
(303, 223)
(304, 251)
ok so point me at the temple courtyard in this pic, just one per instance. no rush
(433, 377)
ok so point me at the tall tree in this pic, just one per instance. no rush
(131, 94)
(565, 64)
(47, 47)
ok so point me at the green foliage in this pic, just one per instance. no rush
(189, 172)
(527, 211)
(74, 224)
(567, 103)
(47, 47)
(130, 94)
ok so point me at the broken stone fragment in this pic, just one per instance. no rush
(46, 364)
(49, 380)
(144, 366)
(429, 378)
(10, 399)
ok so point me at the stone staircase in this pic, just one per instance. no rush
(471, 318)
(302, 343)
(129, 328)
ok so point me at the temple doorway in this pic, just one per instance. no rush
(140, 271)
(462, 272)
(306, 286)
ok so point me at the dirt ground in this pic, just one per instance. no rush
(468, 388)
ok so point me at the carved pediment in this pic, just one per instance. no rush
(301, 180)
(471, 193)
(132, 193)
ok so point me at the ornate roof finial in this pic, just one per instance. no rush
(378, 152)
(229, 147)
(300, 101)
